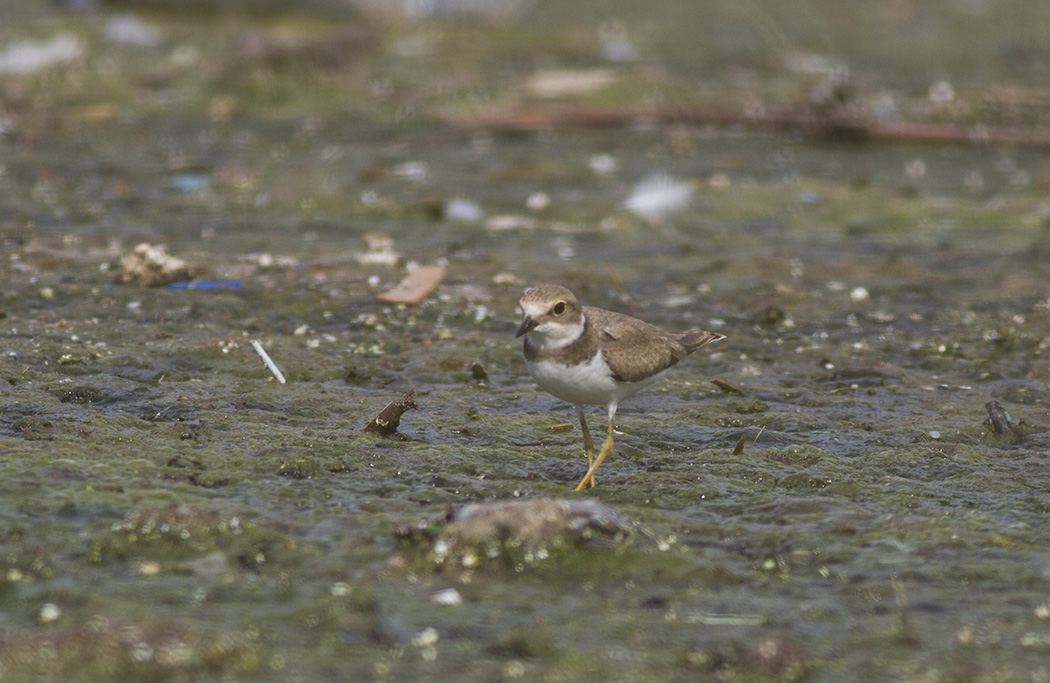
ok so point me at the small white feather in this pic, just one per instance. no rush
(659, 195)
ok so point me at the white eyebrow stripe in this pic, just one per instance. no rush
(534, 309)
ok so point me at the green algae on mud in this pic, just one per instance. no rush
(841, 502)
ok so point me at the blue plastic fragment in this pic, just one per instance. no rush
(205, 284)
(189, 182)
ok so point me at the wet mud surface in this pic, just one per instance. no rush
(170, 511)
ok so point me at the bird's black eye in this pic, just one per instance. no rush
(559, 308)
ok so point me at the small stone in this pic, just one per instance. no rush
(152, 266)
(604, 164)
(28, 56)
(448, 597)
(526, 530)
(554, 83)
(941, 92)
(426, 638)
(463, 210)
(510, 222)
(149, 568)
(538, 201)
(50, 612)
(505, 278)
(130, 30)
(380, 251)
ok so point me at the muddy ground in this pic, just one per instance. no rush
(170, 511)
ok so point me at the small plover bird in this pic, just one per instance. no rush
(590, 356)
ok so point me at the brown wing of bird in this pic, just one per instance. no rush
(635, 350)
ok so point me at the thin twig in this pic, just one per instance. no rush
(758, 435)
(830, 124)
(726, 387)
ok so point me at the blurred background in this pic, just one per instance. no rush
(199, 97)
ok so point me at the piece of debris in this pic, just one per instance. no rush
(564, 82)
(389, 418)
(542, 519)
(740, 445)
(29, 56)
(152, 266)
(1000, 420)
(477, 372)
(727, 387)
(604, 164)
(538, 201)
(522, 531)
(878, 128)
(511, 222)
(415, 286)
(448, 597)
(128, 29)
(486, 11)
(505, 278)
(50, 612)
(465, 210)
(412, 170)
(190, 183)
(205, 284)
(266, 359)
(380, 251)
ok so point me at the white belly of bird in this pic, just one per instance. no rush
(589, 383)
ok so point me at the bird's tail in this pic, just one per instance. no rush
(697, 338)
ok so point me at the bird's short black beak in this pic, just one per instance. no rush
(527, 325)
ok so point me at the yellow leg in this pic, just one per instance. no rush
(605, 449)
(588, 442)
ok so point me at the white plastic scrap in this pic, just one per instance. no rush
(266, 359)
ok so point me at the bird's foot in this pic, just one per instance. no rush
(588, 479)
